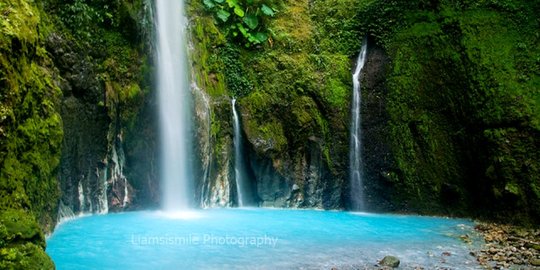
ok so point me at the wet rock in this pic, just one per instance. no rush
(390, 261)
(535, 262)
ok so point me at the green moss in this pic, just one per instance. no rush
(17, 225)
(22, 242)
(26, 256)
(291, 90)
(462, 93)
(462, 97)
(19, 23)
(33, 138)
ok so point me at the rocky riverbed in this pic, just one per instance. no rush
(508, 247)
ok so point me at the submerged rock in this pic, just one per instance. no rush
(390, 261)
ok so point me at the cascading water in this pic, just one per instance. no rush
(242, 187)
(174, 103)
(356, 172)
(80, 189)
(103, 202)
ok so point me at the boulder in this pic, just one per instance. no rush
(390, 261)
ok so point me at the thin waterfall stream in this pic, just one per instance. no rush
(239, 162)
(356, 173)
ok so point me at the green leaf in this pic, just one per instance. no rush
(251, 21)
(261, 37)
(219, 1)
(223, 15)
(209, 3)
(232, 3)
(266, 10)
(243, 30)
(239, 11)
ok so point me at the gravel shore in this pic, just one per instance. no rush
(508, 247)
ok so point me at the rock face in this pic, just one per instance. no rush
(379, 164)
(93, 160)
(216, 187)
(304, 182)
(109, 149)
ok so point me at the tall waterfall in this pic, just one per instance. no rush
(242, 184)
(355, 158)
(174, 105)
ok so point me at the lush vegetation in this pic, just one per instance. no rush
(93, 47)
(463, 99)
(293, 91)
(30, 138)
(462, 94)
(246, 18)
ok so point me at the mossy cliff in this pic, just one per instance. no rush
(293, 96)
(74, 88)
(450, 94)
(102, 54)
(450, 103)
(30, 137)
(461, 97)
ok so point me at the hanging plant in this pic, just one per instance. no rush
(242, 19)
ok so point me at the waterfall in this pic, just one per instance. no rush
(355, 166)
(117, 177)
(174, 105)
(242, 186)
(126, 193)
(103, 200)
(80, 189)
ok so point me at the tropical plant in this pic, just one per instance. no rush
(244, 19)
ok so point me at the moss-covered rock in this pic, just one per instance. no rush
(30, 125)
(462, 99)
(53, 76)
(22, 243)
(293, 99)
(451, 108)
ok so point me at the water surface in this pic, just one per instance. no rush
(258, 239)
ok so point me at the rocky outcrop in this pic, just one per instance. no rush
(91, 173)
(109, 150)
(214, 167)
(303, 182)
(217, 186)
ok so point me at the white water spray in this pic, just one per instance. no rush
(242, 189)
(80, 189)
(355, 158)
(174, 103)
